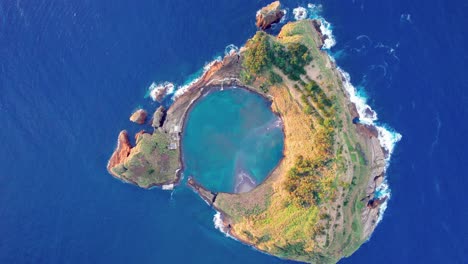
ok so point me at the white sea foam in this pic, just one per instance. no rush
(383, 191)
(219, 224)
(285, 16)
(300, 13)
(388, 139)
(182, 89)
(313, 12)
(325, 27)
(366, 114)
(326, 30)
(155, 89)
(231, 49)
(387, 136)
(168, 187)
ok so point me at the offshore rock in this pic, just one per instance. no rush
(139, 116)
(269, 15)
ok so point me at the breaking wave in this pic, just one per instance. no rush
(387, 137)
(300, 13)
(194, 78)
(155, 88)
(165, 87)
(383, 191)
(219, 224)
(314, 12)
(285, 16)
(168, 187)
(231, 49)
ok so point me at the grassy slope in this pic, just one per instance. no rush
(150, 161)
(267, 217)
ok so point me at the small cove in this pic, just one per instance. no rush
(231, 140)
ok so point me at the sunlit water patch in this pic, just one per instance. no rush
(232, 140)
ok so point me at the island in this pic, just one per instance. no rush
(319, 204)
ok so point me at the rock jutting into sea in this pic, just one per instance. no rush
(158, 117)
(121, 151)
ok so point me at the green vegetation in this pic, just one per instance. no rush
(290, 59)
(275, 78)
(307, 181)
(264, 52)
(256, 57)
(151, 162)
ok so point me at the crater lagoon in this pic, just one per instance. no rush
(232, 140)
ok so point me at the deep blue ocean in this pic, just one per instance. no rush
(71, 72)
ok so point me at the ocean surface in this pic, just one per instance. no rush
(231, 140)
(71, 72)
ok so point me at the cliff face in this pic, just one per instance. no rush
(121, 152)
(269, 15)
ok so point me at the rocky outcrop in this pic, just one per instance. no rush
(376, 202)
(353, 111)
(139, 116)
(158, 117)
(121, 152)
(367, 130)
(137, 135)
(371, 212)
(369, 113)
(269, 15)
(317, 24)
(159, 91)
(208, 196)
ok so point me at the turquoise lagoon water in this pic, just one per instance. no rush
(232, 140)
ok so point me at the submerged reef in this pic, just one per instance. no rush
(322, 201)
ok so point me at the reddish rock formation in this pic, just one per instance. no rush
(269, 15)
(139, 116)
(137, 135)
(121, 152)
